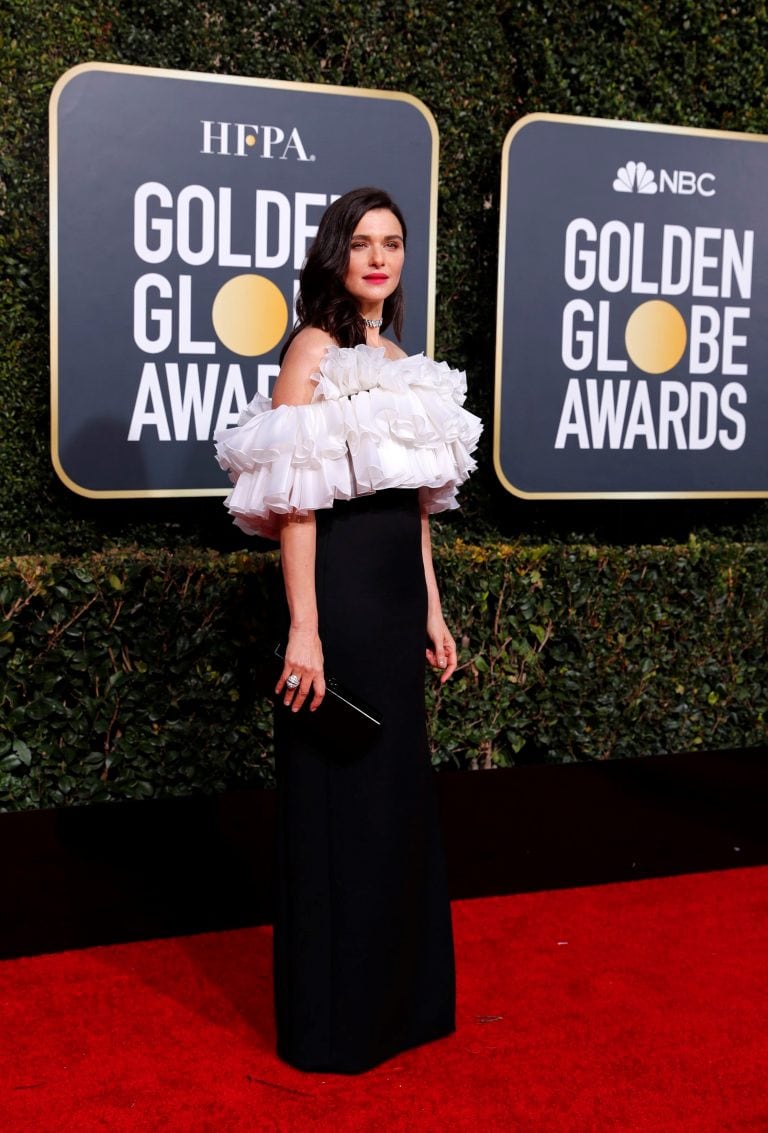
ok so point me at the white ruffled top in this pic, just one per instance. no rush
(373, 423)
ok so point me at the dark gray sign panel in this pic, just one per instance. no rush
(182, 206)
(632, 339)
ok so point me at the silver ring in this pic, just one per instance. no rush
(293, 681)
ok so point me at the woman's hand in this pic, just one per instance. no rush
(303, 659)
(442, 655)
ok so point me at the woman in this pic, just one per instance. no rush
(359, 445)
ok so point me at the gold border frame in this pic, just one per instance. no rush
(238, 80)
(606, 123)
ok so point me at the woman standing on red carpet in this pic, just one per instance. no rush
(359, 445)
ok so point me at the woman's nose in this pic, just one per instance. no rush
(376, 255)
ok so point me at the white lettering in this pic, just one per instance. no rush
(180, 404)
(676, 245)
(161, 316)
(708, 262)
(233, 398)
(732, 341)
(667, 181)
(210, 136)
(577, 359)
(605, 411)
(294, 142)
(163, 227)
(686, 182)
(206, 224)
(583, 278)
(266, 199)
(149, 411)
(620, 415)
(245, 130)
(703, 262)
(672, 415)
(302, 231)
(613, 365)
(614, 234)
(733, 391)
(705, 328)
(271, 136)
(228, 258)
(737, 265)
(700, 184)
(702, 428)
(640, 422)
(572, 419)
(188, 345)
(640, 286)
(192, 400)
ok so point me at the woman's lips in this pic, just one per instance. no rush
(375, 278)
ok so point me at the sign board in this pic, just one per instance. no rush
(182, 207)
(632, 338)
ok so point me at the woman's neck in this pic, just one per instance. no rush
(371, 310)
(372, 313)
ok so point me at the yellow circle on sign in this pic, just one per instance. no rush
(656, 336)
(250, 315)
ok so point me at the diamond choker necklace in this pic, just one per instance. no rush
(374, 324)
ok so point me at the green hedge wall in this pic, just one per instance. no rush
(478, 65)
(139, 673)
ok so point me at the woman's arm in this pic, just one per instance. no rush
(302, 360)
(303, 651)
(442, 655)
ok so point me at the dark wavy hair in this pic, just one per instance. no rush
(323, 300)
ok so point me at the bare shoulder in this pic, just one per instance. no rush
(393, 351)
(302, 359)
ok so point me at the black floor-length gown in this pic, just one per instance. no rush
(363, 946)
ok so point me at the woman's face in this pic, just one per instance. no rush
(376, 256)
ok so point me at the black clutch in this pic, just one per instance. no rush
(342, 719)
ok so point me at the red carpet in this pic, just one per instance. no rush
(634, 1008)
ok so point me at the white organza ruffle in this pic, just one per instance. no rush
(373, 423)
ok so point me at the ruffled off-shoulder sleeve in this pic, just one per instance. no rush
(374, 423)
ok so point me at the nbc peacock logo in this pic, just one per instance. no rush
(635, 177)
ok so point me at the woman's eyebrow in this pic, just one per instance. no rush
(365, 236)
